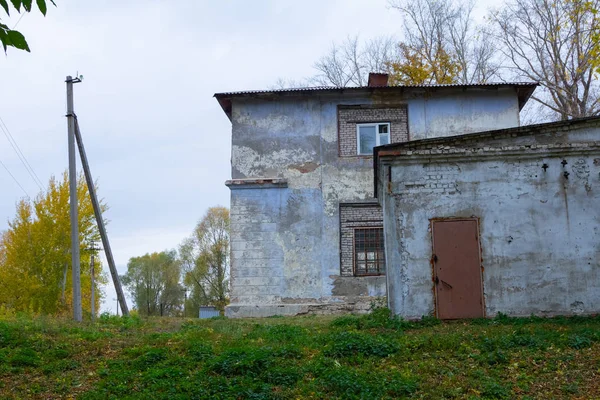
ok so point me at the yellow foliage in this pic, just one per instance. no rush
(415, 68)
(35, 254)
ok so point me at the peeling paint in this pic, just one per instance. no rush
(285, 239)
(252, 164)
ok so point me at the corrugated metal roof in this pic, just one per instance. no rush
(524, 91)
(353, 88)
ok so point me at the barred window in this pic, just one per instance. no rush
(369, 254)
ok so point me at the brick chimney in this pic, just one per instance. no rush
(377, 79)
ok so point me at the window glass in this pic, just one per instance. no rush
(369, 255)
(384, 139)
(384, 134)
(367, 139)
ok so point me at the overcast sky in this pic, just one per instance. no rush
(157, 141)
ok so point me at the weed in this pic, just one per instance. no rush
(199, 351)
(25, 357)
(242, 362)
(579, 341)
(151, 358)
(346, 344)
(571, 388)
(495, 390)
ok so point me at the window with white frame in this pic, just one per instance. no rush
(371, 135)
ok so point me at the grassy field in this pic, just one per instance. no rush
(349, 357)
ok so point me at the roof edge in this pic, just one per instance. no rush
(517, 131)
(524, 91)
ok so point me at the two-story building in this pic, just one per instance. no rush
(306, 229)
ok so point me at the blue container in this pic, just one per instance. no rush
(209, 312)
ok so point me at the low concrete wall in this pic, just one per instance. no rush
(537, 197)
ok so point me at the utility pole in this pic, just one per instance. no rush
(75, 267)
(185, 290)
(93, 250)
(75, 136)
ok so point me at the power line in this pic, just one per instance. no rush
(15, 179)
(20, 18)
(20, 154)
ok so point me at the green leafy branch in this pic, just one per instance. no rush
(10, 37)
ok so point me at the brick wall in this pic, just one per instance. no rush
(355, 216)
(349, 116)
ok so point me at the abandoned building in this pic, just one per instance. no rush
(306, 228)
(502, 221)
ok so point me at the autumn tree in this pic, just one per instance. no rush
(414, 68)
(10, 37)
(442, 44)
(552, 42)
(153, 281)
(35, 251)
(205, 260)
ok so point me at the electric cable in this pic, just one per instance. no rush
(15, 179)
(20, 154)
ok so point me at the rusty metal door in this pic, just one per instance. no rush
(457, 269)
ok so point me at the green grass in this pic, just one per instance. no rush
(347, 357)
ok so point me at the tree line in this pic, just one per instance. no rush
(553, 42)
(35, 261)
(177, 283)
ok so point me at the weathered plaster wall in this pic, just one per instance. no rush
(457, 113)
(289, 237)
(294, 231)
(540, 230)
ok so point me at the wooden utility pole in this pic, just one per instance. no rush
(75, 267)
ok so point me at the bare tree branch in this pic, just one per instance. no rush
(550, 41)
